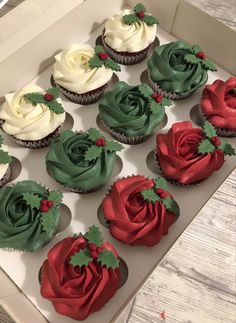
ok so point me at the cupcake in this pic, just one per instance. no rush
(81, 274)
(32, 116)
(140, 210)
(5, 160)
(82, 162)
(128, 36)
(29, 215)
(218, 106)
(131, 113)
(176, 69)
(82, 73)
(187, 155)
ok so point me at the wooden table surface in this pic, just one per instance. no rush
(196, 282)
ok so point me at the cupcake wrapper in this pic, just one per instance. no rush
(5, 177)
(171, 95)
(84, 99)
(80, 191)
(123, 138)
(220, 131)
(124, 58)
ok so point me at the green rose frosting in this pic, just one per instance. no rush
(82, 161)
(169, 68)
(23, 226)
(128, 110)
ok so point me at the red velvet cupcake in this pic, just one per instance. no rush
(140, 210)
(187, 155)
(81, 274)
(218, 105)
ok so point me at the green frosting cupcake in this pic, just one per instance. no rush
(132, 112)
(29, 215)
(82, 161)
(178, 69)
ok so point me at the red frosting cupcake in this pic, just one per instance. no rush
(140, 210)
(81, 274)
(188, 155)
(218, 105)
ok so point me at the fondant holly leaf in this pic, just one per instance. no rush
(109, 63)
(227, 148)
(54, 91)
(139, 7)
(32, 200)
(196, 49)
(114, 146)
(5, 158)
(206, 147)
(150, 195)
(94, 134)
(99, 49)
(81, 258)
(48, 221)
(35, 98)
(55, 106)
(94, 235)
(95, 61)
(160, 182)
(165, 102)
(145, 90)
(171, 205)
(56, 197)
(130, 19)
(92, 153)
(208, 65)
(150, 20)
(155, 107)
(108, 259)
(209, 129)
(191, 58)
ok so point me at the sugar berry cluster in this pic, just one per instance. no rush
(45, 205)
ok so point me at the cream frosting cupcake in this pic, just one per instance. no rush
(82, 72)
(5, 160)
(128, 36)
(32, 116)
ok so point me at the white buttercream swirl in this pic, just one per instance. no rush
(3, 167)
(72, 71)
(25, 121)
(128, 38)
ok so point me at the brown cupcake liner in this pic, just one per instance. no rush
(5, 177)
(85, 98)
(220, 131)
(125, 58)
(80, 191)
(121, 137)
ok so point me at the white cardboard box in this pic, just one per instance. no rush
(26, 50)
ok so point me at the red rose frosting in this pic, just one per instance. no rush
(219, 103)
(132, 219)
(178, 157)
(77, 291)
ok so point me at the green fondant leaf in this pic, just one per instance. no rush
(114, 146)
(165, 102)
(155, 107)
(99, 49)
(55, 106)
(145, 90)
(171, 205)
(56, 197)
(94, 134)
(35, 98)
(54, 91)
(227, 148)
(48, 221)
(209, 129)
(139, 7)
(208, 65)
(150, 195)
(196, 49)
(191, 58)
(5, 158)
(130, 19)
(109, 63)
(95, 61)
(160, 182)
(150, 20)
(206, 147)
(94, 235)
(108, 259)
(81, 258)
(32, 200)
(92, 153)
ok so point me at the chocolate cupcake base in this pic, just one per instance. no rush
(5, 177)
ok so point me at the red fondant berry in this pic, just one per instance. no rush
(92, 247)
(50, 204)
(100, 142)
(93, 254)
(140, 14)
(162, 193)
(43, 208)
(157, 97)
(48, 97)
(43, 202)
(103, 56)
(201, 55)
(99, 249)
(216, 141)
